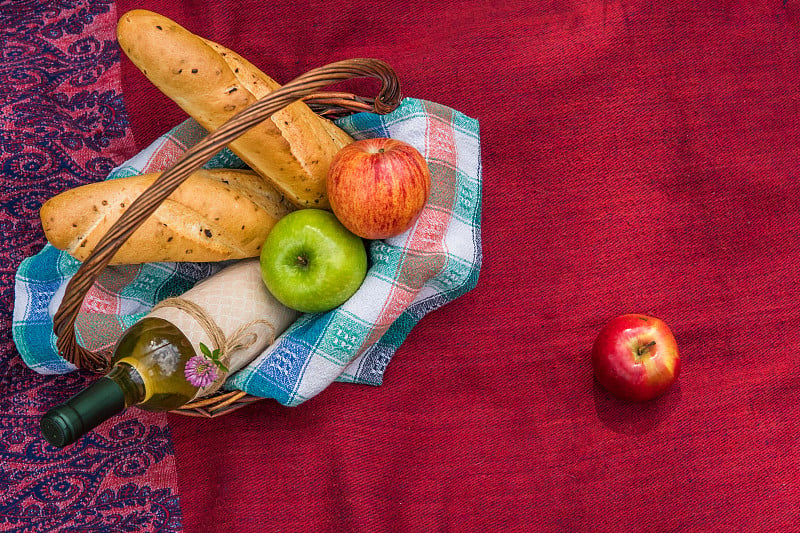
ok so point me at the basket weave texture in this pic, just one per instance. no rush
(305, 87)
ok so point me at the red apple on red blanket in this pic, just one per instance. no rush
(378, 187)
(635, 357)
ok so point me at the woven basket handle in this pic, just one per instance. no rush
(303, 87)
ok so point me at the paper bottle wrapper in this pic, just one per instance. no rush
(233, 298)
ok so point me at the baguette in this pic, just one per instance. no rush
(292, 150)
(214, 215)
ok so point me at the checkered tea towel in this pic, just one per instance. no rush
(409, 275)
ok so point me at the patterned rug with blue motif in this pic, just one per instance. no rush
(63, 124)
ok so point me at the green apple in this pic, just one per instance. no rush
(311, 262)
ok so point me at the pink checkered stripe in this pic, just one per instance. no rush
(424, 249)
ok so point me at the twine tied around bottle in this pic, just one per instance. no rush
(240, 339)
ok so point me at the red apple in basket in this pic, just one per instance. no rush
(378, 187)
(635, 357)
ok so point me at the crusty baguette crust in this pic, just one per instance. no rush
(213, 216)
(292, 150)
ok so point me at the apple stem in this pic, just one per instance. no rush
(302, 261)
(641, 350)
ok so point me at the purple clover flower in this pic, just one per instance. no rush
(201, 371)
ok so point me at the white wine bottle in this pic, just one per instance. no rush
(183, 349)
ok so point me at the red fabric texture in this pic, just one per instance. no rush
(638, 157)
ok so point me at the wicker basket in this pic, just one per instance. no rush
(305, 87)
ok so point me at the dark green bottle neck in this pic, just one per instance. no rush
(106, 397)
